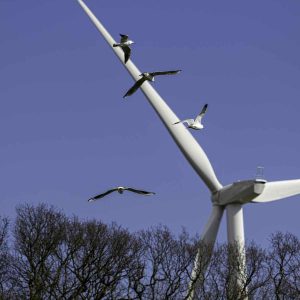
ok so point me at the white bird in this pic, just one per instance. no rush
(124, 44)
(195, 124)
(150, 77)
(120, 190)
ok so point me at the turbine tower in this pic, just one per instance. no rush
(231, 197)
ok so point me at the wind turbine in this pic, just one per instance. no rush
(231, 197)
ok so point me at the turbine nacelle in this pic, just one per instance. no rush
(239, 192)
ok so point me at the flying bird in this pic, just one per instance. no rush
(195, 124)
(120, 190)
(124, 44)
(150, 77)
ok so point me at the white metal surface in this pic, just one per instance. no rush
(236, 237)
(235, 224)
(210, 231)
(238, 192)
(208, 237)
(276, 190)
(183, 138)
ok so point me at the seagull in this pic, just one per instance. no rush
(150, 77)
(195, 124)
(120, 190)
(124, 44)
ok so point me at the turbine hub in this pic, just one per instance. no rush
(240, 192)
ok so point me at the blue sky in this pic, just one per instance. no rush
(67, 134)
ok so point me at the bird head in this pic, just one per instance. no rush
(120, 189)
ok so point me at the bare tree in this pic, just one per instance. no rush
(164, 266)
(38, 232)
(97, 258)
(4, 258)
(255, 284)
(284, 266)
(55, 257)
(220, 281)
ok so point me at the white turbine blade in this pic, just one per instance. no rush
(183, 138)
(208, 237)
(211, 228)
(277, 190)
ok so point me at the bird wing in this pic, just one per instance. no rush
(165, 73)
(188, 121)
(102, 195)
(202, 113)
(135, 87)
(140, 191)
(127, 52)
(124, 38)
